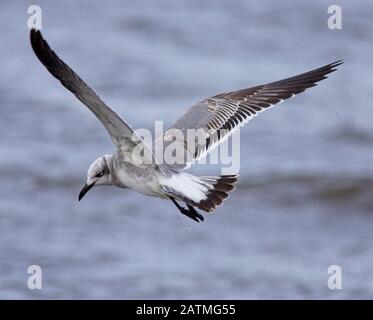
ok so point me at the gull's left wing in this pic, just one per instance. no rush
(122, 134)
(219, 116)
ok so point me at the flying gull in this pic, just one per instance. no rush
(217, 116)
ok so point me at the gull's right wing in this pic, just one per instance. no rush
(122, 134)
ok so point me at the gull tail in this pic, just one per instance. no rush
(218, 189)
(205, 193)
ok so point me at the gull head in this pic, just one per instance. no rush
(98, 174)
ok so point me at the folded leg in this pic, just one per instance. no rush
(189, 211)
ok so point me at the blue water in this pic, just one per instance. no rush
(304, 199)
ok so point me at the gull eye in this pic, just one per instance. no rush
(100, 174)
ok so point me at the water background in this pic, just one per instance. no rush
(304, 200)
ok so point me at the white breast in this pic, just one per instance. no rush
(142, 181)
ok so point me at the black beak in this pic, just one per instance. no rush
(85, 189)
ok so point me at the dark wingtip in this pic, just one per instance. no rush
(36, 40)
(338, 62)
(335, 64)
(35, 34)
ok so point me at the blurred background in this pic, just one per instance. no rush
(304, 199)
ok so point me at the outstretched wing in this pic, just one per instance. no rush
(219, 116)
(122, 134)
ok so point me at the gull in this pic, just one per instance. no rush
(217, 116)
